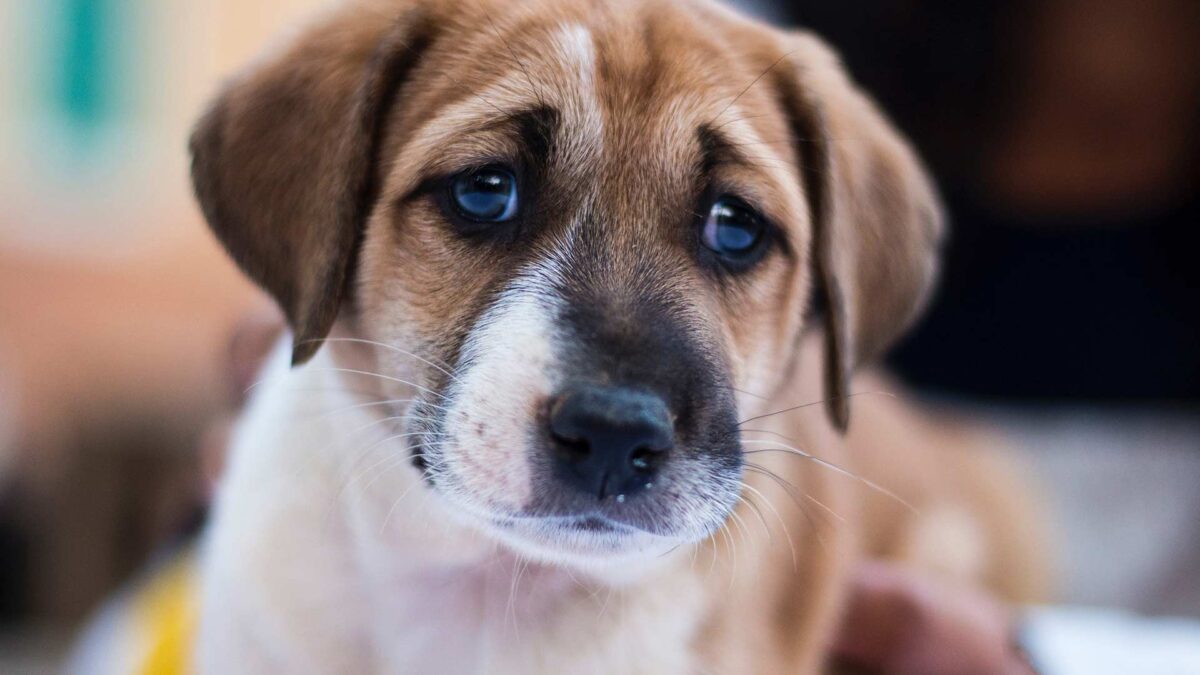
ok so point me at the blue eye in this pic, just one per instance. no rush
(487, 195)
(732, 229)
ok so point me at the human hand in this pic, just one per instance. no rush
(901, 621)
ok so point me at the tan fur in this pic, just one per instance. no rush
(310, 169)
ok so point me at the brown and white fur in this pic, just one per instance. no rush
(392, 502)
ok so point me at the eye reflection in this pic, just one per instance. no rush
(487, 195)
(732, 229)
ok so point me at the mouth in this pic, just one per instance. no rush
(593, 523)
(587, 540)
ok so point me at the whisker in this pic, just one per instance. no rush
(736, 120)
(520, 64)
(737, 521)
(316, 389)
(792, 491)
(669, 551)
(830, 465)
(758, 512)
(352, 371)
(712, 561)
(741, 525)
(389, 378)
(824, 507)
(791, 141)
(522, 565)
(382, 467)
(389, 401)
(782, 522)
(730, 544)
(754, 82)
(390, 418)
(356, 474)
(457, 83)
(812, 403)
(392, 509)
(741, 391)
(767, 431)
(607, 599)
(375, 343)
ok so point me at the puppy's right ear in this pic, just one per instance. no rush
(877, 221)
(283, 163)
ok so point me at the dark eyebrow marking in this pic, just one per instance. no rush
(715, 149)
(537, 129)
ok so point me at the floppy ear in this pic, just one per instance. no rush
(283, 162)
(878, 223)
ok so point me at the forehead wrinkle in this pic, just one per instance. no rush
(558, 73)
(500, 101)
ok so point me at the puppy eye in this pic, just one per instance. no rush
(487, 195)
(732, 229)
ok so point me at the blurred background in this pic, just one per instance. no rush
(1065, 135)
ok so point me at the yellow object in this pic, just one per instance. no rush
(165, 610)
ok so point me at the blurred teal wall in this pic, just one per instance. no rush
(89, 78)
(83, 64)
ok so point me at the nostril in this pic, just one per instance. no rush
(646, 460)
(574, 449)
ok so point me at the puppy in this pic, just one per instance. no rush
(562, 277)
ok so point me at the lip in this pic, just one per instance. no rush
(586, 522)
(593, 524)
(586, 539)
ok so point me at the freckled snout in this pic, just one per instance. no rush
(609, 441)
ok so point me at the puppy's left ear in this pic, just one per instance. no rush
(878, 224)
(284, 161)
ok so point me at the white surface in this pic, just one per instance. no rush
(1124, 489)
(1076, 641)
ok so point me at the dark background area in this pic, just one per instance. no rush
(1072, 271)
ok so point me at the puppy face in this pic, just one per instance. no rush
(584, 227)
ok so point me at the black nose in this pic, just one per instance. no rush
(610, 441)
